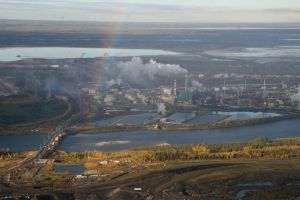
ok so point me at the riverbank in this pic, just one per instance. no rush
(260, 148)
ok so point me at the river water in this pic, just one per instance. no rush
(126, 140)
(22, 142)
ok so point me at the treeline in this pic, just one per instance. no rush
(203, 151)
(261, 148)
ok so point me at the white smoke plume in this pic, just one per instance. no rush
(136, 71)
(161, 108)
(196, 85)
(295, 97)
(113, 82)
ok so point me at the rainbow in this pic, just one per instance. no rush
(113, 35)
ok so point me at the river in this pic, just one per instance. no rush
(126, 140)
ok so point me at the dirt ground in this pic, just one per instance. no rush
(254, 179)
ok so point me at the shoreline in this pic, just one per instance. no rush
(224, 124)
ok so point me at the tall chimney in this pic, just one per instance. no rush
(186, 82)
(175, 88)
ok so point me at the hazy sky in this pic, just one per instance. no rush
(154, 10)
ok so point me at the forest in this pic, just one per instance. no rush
(261, 148)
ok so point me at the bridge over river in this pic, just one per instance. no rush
(33, 164)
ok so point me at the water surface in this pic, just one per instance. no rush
(247, 115)
(137, 119)
(126, 140)
(19, 53)
(206, 119)
(275, 52)
(72, 169)
(24, 142)
(180, 117)
(83, 142)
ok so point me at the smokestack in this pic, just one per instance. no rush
(186, 82)
(283, 85)
(238, 103)
(224, 89)
(264, 90)
(175, 88)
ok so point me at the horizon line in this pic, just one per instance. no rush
(153, 22)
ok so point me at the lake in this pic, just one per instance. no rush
(19, 53)
(275, 52)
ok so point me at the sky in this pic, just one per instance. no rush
(204, 11)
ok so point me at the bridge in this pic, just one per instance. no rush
(12, 175)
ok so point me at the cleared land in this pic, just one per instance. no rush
(205, 180)
(255, 179)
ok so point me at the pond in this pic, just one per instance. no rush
(180, 117)
(247, 115)
(206, 119)
(72, 169)
(137, 119)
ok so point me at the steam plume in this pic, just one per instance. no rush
(296, 99)
(161, 108)
(196, 85)
(113, 82)
(137, 72)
